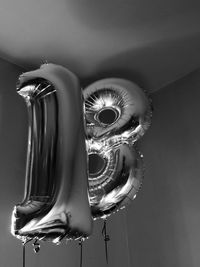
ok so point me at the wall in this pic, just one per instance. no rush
(12, 158)
(163, 222)
(160, 228)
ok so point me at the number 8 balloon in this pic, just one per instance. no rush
(117, 114)
(62, 193)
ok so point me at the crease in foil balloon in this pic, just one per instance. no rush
(55, 204)
(117, 114)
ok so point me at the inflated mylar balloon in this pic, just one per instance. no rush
(55, 203)
(117, 114)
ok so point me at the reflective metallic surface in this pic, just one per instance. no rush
(130, 105)
(55, 203)
(117, 114)
(59, 168)
(118, 183)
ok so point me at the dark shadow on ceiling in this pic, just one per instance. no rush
(154, 66)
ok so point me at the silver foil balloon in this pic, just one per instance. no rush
(117, 109)
(117, 114)
(55, 203)
(118, 182)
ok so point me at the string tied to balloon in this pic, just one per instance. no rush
(81, 251)
(106, 239)
(24, 242)
(23, 254)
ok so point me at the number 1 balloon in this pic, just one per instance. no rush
(58, 179)
(55, 203)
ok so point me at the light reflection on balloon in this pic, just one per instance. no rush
(55, 203)
(124, 103)
(117, 114)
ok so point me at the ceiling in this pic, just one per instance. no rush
(151, 42)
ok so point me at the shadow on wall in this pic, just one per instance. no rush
(13, 139)
(163, 223)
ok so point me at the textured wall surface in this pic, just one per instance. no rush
(160, 228)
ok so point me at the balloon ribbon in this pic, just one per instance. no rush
(24, 242)
(23, 254)
(81, 255)
(106, 239)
